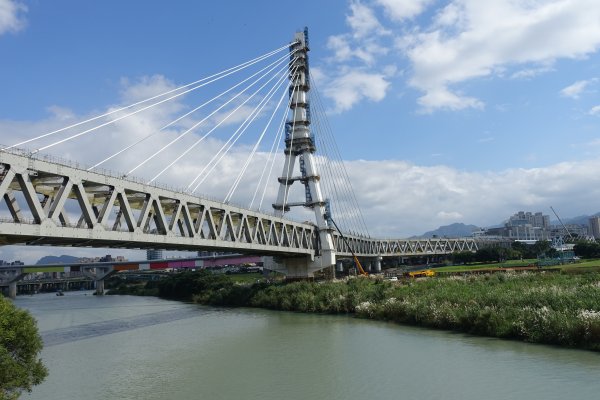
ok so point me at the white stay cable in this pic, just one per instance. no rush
(223, 73)
(344, 172)
(123, 150)
(215, 127)
(290, 164)
(294, 88)
(274, 145)
(236, 135)
(205, 118)
(194, 110)
(260, 138)
(280, 134)
(338, 200)
(227, 91)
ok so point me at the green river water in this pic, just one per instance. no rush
(124, 347)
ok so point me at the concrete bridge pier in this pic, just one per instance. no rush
(98, 274)
(377, 264)
(12, 290)
(299, 267)
(12, 276)
(99, 286)
(340, 266)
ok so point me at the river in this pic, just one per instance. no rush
(125, 347)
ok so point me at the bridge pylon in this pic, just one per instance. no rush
(300, 147)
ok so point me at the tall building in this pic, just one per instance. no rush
(154, 254)
(594, 223)
(528, 226)
(537, 220)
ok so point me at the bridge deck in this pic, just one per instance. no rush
(54, 203)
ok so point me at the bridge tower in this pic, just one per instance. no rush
(300, 146)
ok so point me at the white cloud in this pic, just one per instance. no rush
(400, 199)
(472, 39)
(404, 9)
(340, 46)
(11, 16)
(574, 90)
(434, 99)
(449, 215)
(529, 73)
(363, 21)
(353, 86)
(595, 110)
(352, 72)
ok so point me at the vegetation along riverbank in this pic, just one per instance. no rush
(552, 308)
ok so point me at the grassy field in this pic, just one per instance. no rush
(518, 263)
(476, 266)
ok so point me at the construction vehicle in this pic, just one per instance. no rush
(421, 273)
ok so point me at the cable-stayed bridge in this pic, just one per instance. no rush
(48, 201)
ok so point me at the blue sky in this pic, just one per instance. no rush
(445, 111)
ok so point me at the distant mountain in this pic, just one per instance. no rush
(452, 231)
(580, 220)
(64, 259)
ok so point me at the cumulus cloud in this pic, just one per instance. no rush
(12, 17)
(595, 110)
(363, 21)
(404, 9)
(458, 41)
(472, 39)
(401, 199)
(574, 90)
(353, 86)
(353, 73)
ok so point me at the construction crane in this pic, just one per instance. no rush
(329, 218)
(563, 225)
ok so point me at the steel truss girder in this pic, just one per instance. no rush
(368, 247)
(180, 221)
(147, 216)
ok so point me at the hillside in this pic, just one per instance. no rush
(64, 259)
(455, 230)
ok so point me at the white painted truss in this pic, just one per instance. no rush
(115, 212)
(43, 195)
(367, 247)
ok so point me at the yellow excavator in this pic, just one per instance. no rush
(418, 274)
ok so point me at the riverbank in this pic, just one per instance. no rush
(557, 308)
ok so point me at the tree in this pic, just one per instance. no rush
(541, 247)
(587, 249)
(463, 257)
(20, 345)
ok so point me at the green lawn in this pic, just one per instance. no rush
(476, 266)
(590, 265)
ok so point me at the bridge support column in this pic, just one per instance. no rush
(12, 290)
(340, 266)
(12, 276)
(299, 267)
(377, 263)
(99, 286)
(97, 274)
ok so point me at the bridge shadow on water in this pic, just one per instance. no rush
(94, 329)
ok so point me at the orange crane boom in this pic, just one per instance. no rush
(358, 265)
